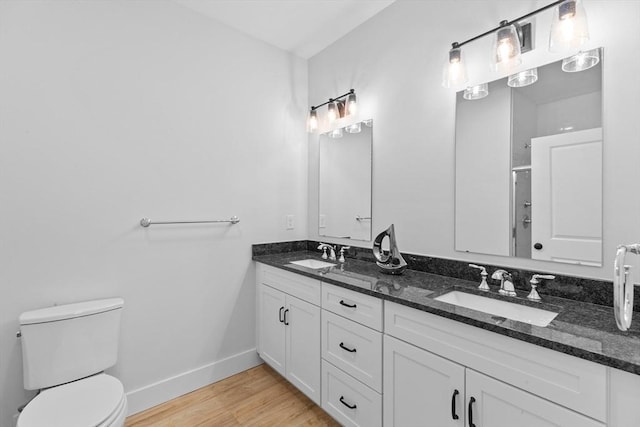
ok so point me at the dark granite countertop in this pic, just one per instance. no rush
(581, 329)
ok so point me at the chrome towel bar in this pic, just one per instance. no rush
(145, 222)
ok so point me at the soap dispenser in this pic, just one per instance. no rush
(391, 262)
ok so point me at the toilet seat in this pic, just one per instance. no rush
(96, 401)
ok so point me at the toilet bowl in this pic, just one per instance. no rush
(96, 401)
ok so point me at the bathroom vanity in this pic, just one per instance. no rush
(376, 350)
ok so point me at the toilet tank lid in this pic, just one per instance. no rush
(70, 311)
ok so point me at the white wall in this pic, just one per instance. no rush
(115, 110)
(394, 62)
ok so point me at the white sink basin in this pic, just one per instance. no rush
(312, 263)
(521, 313)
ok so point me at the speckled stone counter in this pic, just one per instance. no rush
(581, 329)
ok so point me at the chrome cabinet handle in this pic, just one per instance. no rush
(285, 317)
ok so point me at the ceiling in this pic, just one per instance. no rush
(303, 27)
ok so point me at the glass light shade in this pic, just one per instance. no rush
(476, 92)
(581, 61)
(336, 133)
(354, 128)
(569, 28)
(454, 72)
(523, 78)
(506, 48)
(312, 122)
(352, 106)
(332, 114)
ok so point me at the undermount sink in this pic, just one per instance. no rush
(521, 313)
(314, 264)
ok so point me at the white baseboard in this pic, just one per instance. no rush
(154, 394)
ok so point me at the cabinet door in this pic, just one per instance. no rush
(271, 330)
(420, 388)
(303, 346)
(491, 403)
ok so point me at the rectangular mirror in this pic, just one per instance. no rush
(529, 166)
(345, 182)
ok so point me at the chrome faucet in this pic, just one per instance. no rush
(332, 252)
(483, 274)
(506, 283)
(535, 280)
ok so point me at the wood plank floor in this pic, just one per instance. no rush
(257, 397)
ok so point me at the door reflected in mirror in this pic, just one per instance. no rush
(529, 167)
(345, 182)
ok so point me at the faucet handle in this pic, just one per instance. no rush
(342, 249)
(483, 273)
(483, 270)
(323, 247)
(537, 277)
(535, 280)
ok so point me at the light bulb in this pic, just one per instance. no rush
(454, 72)
(332, 114)
(581, 61)
(354, 128)
(569, 28)
(352, 106)
(336, 133)
(313, 120)
(523, 78)
(506, 48)
(476, 92)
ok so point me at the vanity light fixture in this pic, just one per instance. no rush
(581, 61)
(569, 29)
(476, 92)
(454, 72)
(506, 47)
(512, 38)
(332, 113)
(523, 78)
(312, 122)
(337, 108)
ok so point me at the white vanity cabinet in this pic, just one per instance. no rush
(369, 363)
(421, 388)
(351, 356)
(489, 371)
(288, 327)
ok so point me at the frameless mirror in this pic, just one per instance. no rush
(529, 166)
(345, 182)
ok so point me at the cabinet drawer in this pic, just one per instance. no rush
(353, 305)
(305, 288)
(354, 348)
(349, 401)
(569, 381)
(500, 405)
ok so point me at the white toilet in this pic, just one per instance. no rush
(65, 350)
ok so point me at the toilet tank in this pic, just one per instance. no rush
(68, 342)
